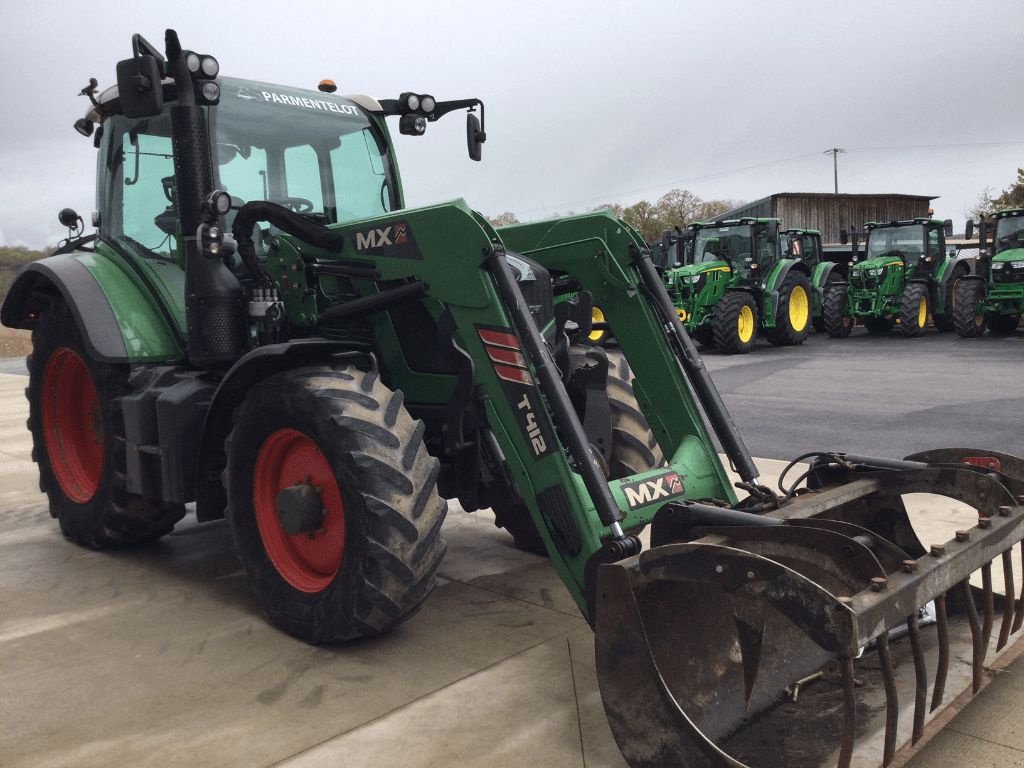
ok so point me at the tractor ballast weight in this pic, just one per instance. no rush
(993, 297)
(905, 277)
(740, 281)
(394, 359)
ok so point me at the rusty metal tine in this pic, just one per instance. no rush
(972, 618)
(921, 678)
(988, 603)
(849, 714)
(892, 705)
(1018, 618)
(943, 668)
(1008, 599)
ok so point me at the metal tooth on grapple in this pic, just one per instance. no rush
(731, 617)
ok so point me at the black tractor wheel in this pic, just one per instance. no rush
(914, 309)
(879, 326)
(968, 319)
(946, 321)
(735, 323)
(332, 498)
(78, 441)
(634, 448)
(793, 315)
(835, 315)
(1000, 325)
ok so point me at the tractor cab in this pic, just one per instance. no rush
(802, 244)
(1008, 247)
(747, 247)
(919, 245)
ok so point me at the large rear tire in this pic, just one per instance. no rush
(333, 501)
(968, 319)
(1000, 325)
(913, 310)
(793, 314)
(735, 323)
(634, 448)
(78, 440)
(946, 321)
(837, 320)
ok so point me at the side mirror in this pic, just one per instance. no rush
(947, 227)
(474, 137)
(138, 86)
(969, 230)
(844, 236)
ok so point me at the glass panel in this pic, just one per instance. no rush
(145, 168)
(360, 183)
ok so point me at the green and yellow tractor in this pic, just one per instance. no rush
(994, 297)
(740, 282)
(805, 245)
(905, 277)
(330, 372)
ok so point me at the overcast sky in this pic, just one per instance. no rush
(586, 102)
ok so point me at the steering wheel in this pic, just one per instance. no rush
(297, 204)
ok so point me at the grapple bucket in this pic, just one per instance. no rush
(707, 643)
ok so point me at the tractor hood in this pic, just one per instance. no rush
(692, 270)
(1009, 255)
(877, 263)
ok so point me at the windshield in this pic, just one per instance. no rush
(1009, 233)
(313, 153)
(730, 244)
(906, 241)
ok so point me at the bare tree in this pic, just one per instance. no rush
(503, 219)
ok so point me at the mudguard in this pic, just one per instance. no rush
(118, 321)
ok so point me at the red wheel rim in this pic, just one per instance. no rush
(307, 561)
(72, 425)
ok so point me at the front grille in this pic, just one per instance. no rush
(863, 281)
(1008, 275)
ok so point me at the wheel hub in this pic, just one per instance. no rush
(300, 509)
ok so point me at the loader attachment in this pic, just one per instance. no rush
(707, 644)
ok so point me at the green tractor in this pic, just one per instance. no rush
(805, 245)
(330, 373)
(994, 297)
(906, 276)
(740, 282)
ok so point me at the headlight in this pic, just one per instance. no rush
(1017, 264)
(691, 278)
(998, 265)
(874, 272)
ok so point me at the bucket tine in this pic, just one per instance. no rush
(849, 713)
(1008, 602)
(943, 668)
(892, 706)
(920, 677)
(978, 652)
(1018, 617)
(988, 604)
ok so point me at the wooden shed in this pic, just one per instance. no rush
(829, 212)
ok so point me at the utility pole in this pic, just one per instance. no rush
(835, 151)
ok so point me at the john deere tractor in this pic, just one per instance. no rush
(805, 245)
(334, 369)
(994, 297)
(905, 276)
(739, 283)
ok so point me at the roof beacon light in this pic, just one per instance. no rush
(327, 86)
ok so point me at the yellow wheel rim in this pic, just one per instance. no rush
(799, 308)
(596, 316)
(745, 324)
(922, 313)
(682, 315)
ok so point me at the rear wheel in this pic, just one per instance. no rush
(634, 448)
(946, 321)
(793, 314)
(78, 441)
(1001, 325)
(968, 319)
(735, 323)
(597, 335)
(333, 503)
(914, 309)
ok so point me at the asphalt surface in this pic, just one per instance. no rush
(883, 396)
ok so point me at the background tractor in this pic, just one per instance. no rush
(805, 245)
(330, 373)
(905, 276)
(739, 283)
(994, 297)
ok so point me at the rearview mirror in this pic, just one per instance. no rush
(947, 227)
(474, 137)
(969, 230)
(844, 236)
(138, 86)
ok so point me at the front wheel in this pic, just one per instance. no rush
(835, 314)
(968, 318)
(793, 314)
(914, 310)
(78, 441)
(735, 323)
(333, 502)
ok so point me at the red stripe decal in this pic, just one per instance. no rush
(499, 338)
(517, 375)
(509, 356)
